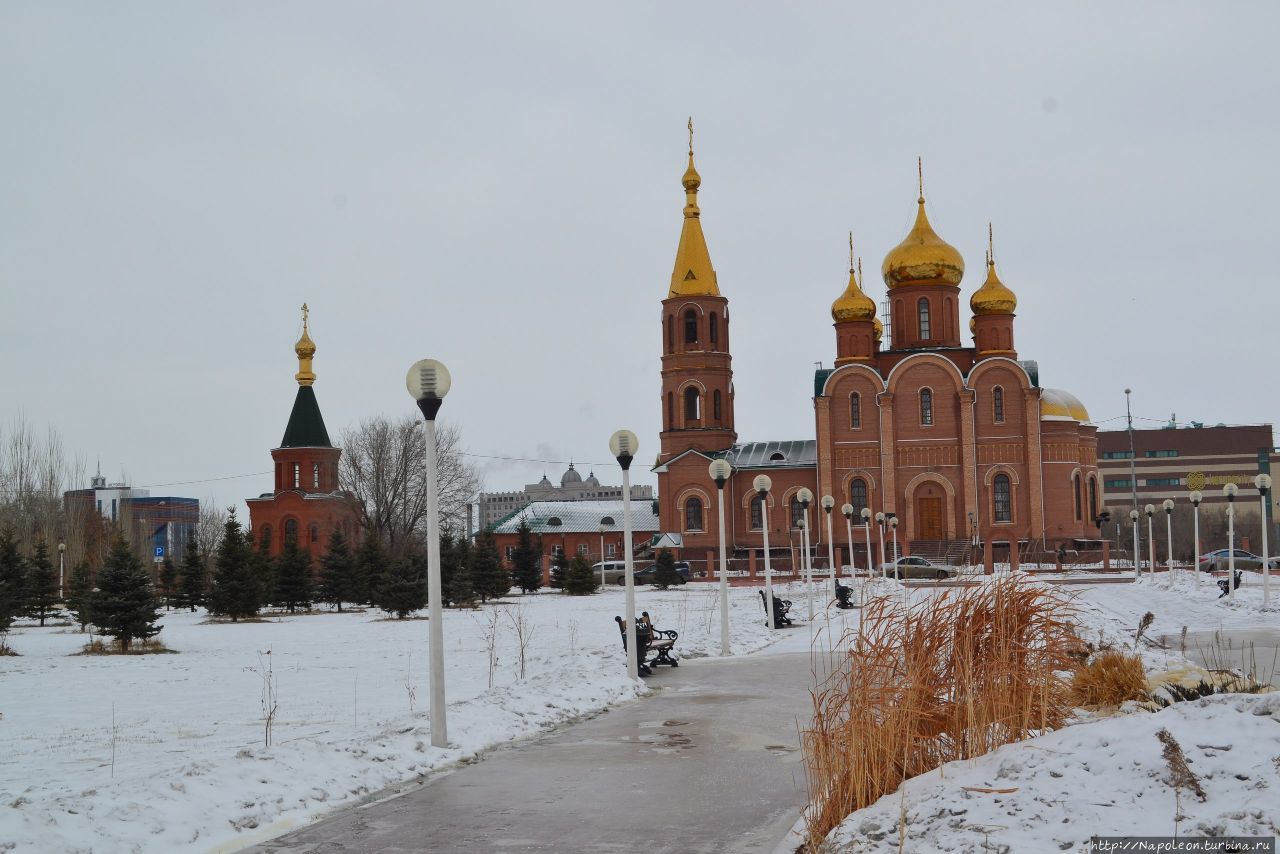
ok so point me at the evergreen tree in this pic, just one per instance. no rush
(371, 569)
(168, 582)
(404, 590)
(42, 585)
(457, 584)
(580, 580)
(491, 580)
(665, 573)
(293, 577)
(80, 594)
(526, 570)
(13, 581)
(264, 570)
(191, 580)
(235, 592)
(125, 606)
(559, 569)
(337, 583)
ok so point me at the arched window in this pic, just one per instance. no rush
(1075, 491)
(291, 530)
(926, 407)
(692, 404)
(1093, 499)
(997, 405)
(714, 330)
(691, 327)
(693, 514)
(858, 496)
(671, 335)
(315, 533)
(1002, 509)
(797, 512)
(315, 476)
(297, 475)
(265, 540)
(671, 411)
(922, 308)
(757, 513)
(855, 411)
(715, 404)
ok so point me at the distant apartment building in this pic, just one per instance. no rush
(167, 522)
(496, 506)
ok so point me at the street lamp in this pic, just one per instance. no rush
(1150, 510)
(805, 497)
(623, 444)
(880, 522)
(828, 504)
(1230, 491)
(1137, 547)
(62, 566)
(866, 527)
(720, 471)
(763, 484)
(893, 526)
(428, 382)
(1263, 482)
(1167, 504)
(846, 510)
(1196, 497)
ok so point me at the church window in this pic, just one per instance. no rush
(291, 530)
(1075, 490)
(797, 512)
(757, 513)
(1093, 498)
(671, 411)
(855, 411)
(715, 331)
(315, 475)
(997, 404)
(922, 308)
(671, 335)
(1003, 509)
(693, 515)
(297, 475)
(691, 327)
(692, 404)
(715, 406)
(315, 532)
(266, 536)
(926, 407)
(858, 495)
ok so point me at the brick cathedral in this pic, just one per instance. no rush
(957, 440)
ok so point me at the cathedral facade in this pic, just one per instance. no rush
(955, 439)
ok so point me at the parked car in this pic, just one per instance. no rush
(1216, 560)
(615, 571)
(911, 566)
(646, 575)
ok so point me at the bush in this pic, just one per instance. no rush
(1112, 678)
(580, 580)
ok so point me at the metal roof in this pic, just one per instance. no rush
(576, 517)
(800, 453)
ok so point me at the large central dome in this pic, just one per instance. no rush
(923, 258)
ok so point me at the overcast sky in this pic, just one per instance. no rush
(498, 186)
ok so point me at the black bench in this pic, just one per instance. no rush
(844, 597)
(1225, 584)
(780, 609)
(648, 639)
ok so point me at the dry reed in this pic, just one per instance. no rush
(949, 678)
(1112, 678)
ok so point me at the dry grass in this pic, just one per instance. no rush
(950, 678)
(105, 646)
(1112, 678)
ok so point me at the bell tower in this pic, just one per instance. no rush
(697, 370)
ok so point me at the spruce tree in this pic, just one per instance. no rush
(371, 569)
(42, 585)
(337, 582)
(526, 570)
(580, 580)
(13, 581)
(80, 594)
(125, 606)
(404, 590)
(488, 576)
(191, 579)
(168, 582)
(457, 583)
(264, 568)
(235, 592)
(665, 574)
(559, 568)
(293, 577)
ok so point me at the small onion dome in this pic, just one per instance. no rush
(1059, 405)
(993, 297)
(923, 258)
(691, 179)
(571, 476)
(973, 324)
(853, 304)
(879, 329)
(591, 480)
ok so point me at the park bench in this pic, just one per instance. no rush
(1225, 584)
(780, 609)
(648, 639)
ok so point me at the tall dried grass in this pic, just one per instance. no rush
(1111, 678)
(949, 678)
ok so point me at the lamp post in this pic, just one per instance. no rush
(720, 471)
(1230, 491)
(866, 527)
(1196, 497)
(880, 521)
(1150, 510)
(428, 382)
(828, 504)
(1263, 482)
(623, 444)
(1137, 547)
(805, 497)
(763, 484)
(893, 526)
(1167, 504)
(846, 510)
(62, 568)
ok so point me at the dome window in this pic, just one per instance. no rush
(607, 520)
(555, 522)
(777, 457)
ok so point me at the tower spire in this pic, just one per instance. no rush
(693, 274)
(920, 177)
(991, 247)
(305, 350)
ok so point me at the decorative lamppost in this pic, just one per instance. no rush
(720, 471)
(1167, 504)
(623, 444)
(1230, 491)
(805, 497)
(866, 527)
(880, 521)
(1263, 482)
(828, 504)
(763, 484)
(1196, 497)
(1137, 547)
(846, 510)
(428, 382)
(62, 567)
(1150, 510)
(893, 526)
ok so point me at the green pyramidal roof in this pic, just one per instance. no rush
(306, 424)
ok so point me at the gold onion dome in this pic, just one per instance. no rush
(693, 274)
(853, 304)
(993, 297)
(305, 350)
(879, 328)
(922, 257)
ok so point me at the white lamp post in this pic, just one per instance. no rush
(428, 382)
(1150, 510)
(1137, 547)
(805, 497)
(62, 568)
(763, 484)
(866, 526)
(828, 504)
(880, 522)
(1167, 504)
(623, 444)
(1263, 482)
(720, 471)
(1196, 497)
(1230, 491)
(893, 526)
(846, 510)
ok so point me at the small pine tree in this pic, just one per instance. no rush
(405, 588)
(337, 582)
(665, 573)
(457, 584)
(125, 606)
(235, 592)
(487, 574)
(580, 580)
(293, 577)
(80, 594)
(371, 569)
(263, 568)
(526, 569)
(559, 569)
(191, 579)
(168, 586)
(13, 581)
(42, 585)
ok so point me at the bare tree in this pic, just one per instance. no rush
(34, 473)
(213, 521)
(383, 467)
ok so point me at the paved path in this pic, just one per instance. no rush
(708, 763)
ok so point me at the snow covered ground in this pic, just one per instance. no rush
(165, 752)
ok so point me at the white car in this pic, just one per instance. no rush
(911, 566)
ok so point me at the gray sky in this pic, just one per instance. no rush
(497, 186)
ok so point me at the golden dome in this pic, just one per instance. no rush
(993, 297)
(305, 350)
(693, 274)
(922, 257)
(1059, 405)
(879, 329)
(853, 304)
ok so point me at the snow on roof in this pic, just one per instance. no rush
(801, 452)
(549, 517)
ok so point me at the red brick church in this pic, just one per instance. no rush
(956, 439)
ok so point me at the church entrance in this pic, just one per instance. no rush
(929, 514)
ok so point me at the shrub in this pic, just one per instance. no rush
(1112, 678)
